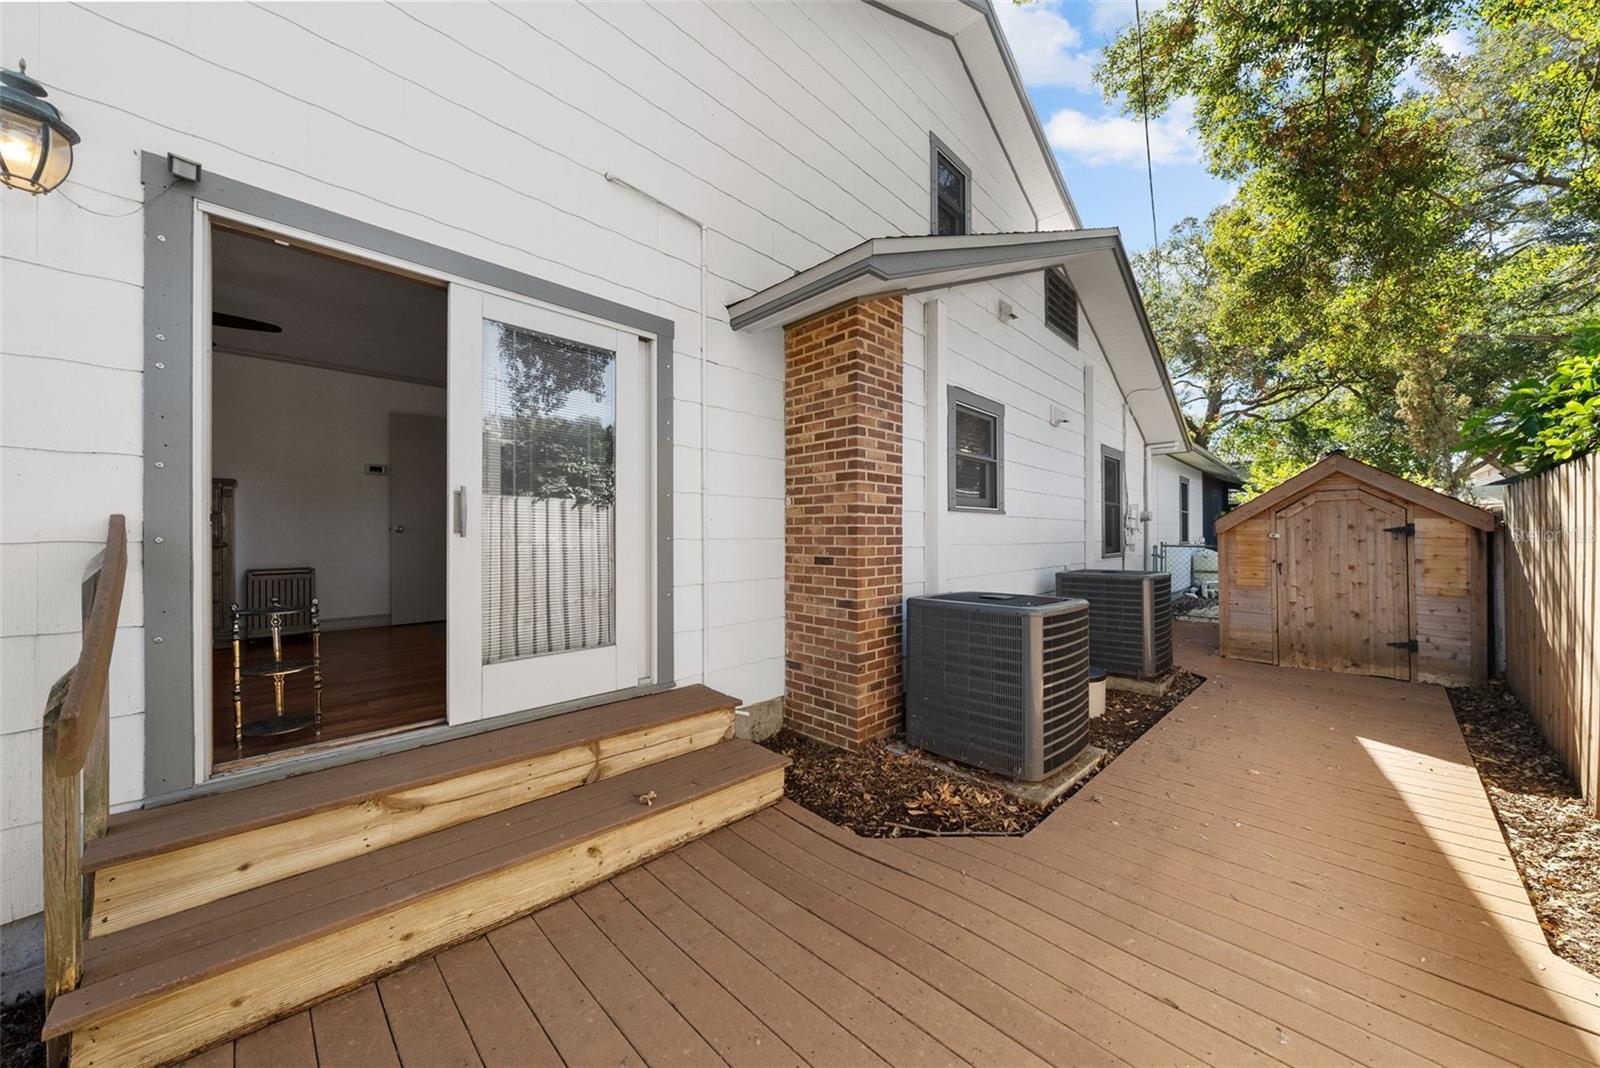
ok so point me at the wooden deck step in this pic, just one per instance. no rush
(178, 984)
(160, 861)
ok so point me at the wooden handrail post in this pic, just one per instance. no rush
(63, 875)
(75, 773)
(97, 762)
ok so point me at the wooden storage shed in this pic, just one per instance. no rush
(1348, 568)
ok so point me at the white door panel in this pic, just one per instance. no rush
(550, 451)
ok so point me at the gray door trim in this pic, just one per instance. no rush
(169, 504)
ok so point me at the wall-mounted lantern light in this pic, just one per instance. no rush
(35, 145)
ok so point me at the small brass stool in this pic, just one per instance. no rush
(278, 670)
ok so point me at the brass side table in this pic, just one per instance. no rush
(278, 670)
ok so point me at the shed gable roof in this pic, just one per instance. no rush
(1338, 463)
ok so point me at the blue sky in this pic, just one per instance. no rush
(1101, 150)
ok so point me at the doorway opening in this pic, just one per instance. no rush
(329, 500)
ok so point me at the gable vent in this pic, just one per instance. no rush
(1061, 305)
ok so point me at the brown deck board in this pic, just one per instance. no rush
(148, 831)
(963, 1009)
(804, 1027)
(428, 1029)
(504, 1029)
(738, 1035)
(215, 1057)
(1061, 1005)
(352, 1031)
(286, 1043)
(652, 1026)
(583, 1035)
(1136, 1025)
(855, 1009)
(1362, 911)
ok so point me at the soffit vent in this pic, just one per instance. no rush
(1061, 305)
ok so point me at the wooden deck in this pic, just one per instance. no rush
(1293, 868)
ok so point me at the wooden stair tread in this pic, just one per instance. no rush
(147, 832)
(134, 966)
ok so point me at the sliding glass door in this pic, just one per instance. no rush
(550, 461)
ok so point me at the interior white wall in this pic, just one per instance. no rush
(298, 439)
(794, 130)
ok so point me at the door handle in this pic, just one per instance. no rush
(460, 511)
(400, 528)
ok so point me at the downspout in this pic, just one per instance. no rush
(705, 597)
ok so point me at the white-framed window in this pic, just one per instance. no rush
(1112, 542)
(950, 210)
(1183, 511)
(977, 452)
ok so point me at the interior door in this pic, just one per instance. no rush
(418, 518)
(551, 431)
(1343, 578)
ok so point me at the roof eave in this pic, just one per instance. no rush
(912, 264)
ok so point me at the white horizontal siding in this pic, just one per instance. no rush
(793, 131)
(1048, 517)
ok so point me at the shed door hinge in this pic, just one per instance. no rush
(1410, 646)
(1408, 529)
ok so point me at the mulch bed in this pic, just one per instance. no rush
(1554, 841)
(879, 793)
(20, 1023)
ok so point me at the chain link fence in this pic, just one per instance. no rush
(1194, 580)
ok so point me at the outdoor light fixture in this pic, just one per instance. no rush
(35, 145)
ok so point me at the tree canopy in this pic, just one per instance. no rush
(1415, 231)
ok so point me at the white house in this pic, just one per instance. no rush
(517, 326)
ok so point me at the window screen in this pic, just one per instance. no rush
(1061, 305)
(549, 486)
(1111, 503)
(977, 442)
(1183, 510)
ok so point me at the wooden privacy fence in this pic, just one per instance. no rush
(77, 772)
(1552, 598)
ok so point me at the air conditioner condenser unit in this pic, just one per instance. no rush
(999, 681)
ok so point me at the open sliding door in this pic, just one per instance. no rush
(550, 465)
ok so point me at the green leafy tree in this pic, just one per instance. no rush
(1544, 422)
(1412, 229)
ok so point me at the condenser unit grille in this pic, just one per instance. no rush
(998, 681)
(1066, 688)
(1130, 618)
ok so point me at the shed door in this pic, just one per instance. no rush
(1342, 583)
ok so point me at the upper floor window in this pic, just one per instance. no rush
(977, 452)
(1111, 537)
(1183, 511)
(951, 212)
(1061, 305)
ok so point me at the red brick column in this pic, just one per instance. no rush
(843, 432)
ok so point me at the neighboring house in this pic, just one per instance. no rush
(579, 330)
(1190, 490)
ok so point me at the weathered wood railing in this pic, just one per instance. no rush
(77, 771)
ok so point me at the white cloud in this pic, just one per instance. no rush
(1046, 45)
(1106, 16)
(1103, 139)
(1454, 42)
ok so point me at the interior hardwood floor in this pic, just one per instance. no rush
(374, 680)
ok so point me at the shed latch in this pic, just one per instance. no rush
(1408, 529)
(1410, 646)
